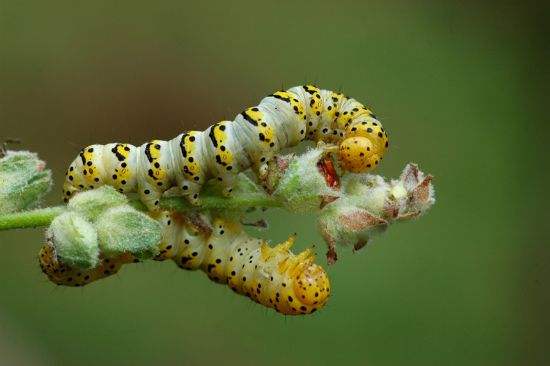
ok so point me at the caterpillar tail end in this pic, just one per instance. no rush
(64, 275)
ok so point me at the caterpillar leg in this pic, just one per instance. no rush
(260, 166)
(329, 149)
(262, 170)
(190, 186)
(227, 183)
(194, 199)
(191, 193)
(150, 195)
(191, 251)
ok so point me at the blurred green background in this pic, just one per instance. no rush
(458, 85)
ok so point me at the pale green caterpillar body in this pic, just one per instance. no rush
(274, 277)
(282, 119)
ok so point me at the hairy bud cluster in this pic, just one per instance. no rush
(24, 180)
(100, 223)
(354, 210)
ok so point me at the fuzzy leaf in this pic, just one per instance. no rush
(75, 240)
(23, 181)
(125, 230)
(93, 203)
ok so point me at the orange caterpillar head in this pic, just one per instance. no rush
(312, 286)
(363, 146)
(308, 285)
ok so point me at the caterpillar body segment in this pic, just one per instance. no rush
(274, 277)
(282, 119)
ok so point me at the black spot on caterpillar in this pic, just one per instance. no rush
(282, 119)
(274, 277)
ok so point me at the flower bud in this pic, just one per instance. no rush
(75, 240)
(93, 203)
(369, 204)
(23, 181)
(366, 191)
(125, 230)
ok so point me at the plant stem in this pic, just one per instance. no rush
(34, 218)
(237, 201)
(44, 216)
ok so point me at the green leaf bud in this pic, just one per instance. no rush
(23, 181)
(93, 203)
(75, 240)
(124, 230)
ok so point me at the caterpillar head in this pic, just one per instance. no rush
(363, 146)
(312, 286)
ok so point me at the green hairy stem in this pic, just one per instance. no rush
(44, 216)
(28, 219)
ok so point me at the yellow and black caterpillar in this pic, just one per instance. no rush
(274, 277)
(282, 119)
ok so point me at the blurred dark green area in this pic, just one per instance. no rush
(458, 85)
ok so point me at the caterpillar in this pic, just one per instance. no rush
(274, 277)
(282, 119)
